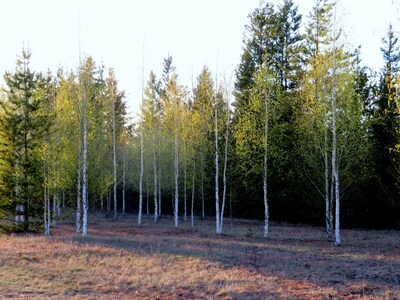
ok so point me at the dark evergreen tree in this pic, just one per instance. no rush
(385, 136)
(22, 127)
(259, 40)
(288, 45)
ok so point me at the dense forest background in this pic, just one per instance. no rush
(304, 112)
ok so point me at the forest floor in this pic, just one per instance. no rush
(119, 260)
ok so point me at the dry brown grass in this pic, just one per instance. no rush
(119, 260)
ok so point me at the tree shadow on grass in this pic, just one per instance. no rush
(367, 265)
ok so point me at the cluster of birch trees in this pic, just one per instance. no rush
(307, 134)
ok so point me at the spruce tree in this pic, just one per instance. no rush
(385, 134)
(22, 129)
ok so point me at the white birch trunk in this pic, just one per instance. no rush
(114, 159)
(184, 181)
(159, 170)
(141, 173)
(225, 168)
(84, 171)
(193, 185)
(326, 166)
(48, 211)
(202, 186)
(123, 181)
(79, 194)
(176, 166)
(335, 164)
(332, 196)
(338, 240)
(335, 175)
(155, 179)
(217, 216)
(265, 177)
(141, 153)
(45, 208)
(159, 188)
(335, 169)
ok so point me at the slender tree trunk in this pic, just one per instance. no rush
(159, 188)
(225, 168)
(217, 216)
(123, 181)
(326, 166)
(159, 171)
(84, 172)
(79, 194)
(141, 173)
(193, 185)
(176, 165)
(202, 186)
(335, 169)
(338, 240)
(114, 159)
(265, 177)
(184, 181)
(332, 196)
(155, 179)
(141, 153)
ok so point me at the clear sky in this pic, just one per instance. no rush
(129, 34)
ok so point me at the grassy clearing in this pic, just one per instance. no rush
(119, 260)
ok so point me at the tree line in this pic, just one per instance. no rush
(306, 134)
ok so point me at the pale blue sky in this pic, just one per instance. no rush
(122, 33)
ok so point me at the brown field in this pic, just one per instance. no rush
(119, 260)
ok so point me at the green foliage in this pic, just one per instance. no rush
(24, 121)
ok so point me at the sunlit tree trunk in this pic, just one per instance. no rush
(155, 179)
(176, 164)
(217, 215)
(141, 170)
(123, 180)
(114, 158)
(335, 169)
(79, 181)
(265, 177)
(225, 166)
(193, 185)
(184, 181)
(84, 171)
(79, 198)
(326, 167)
(202, 186)
(159, 173)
